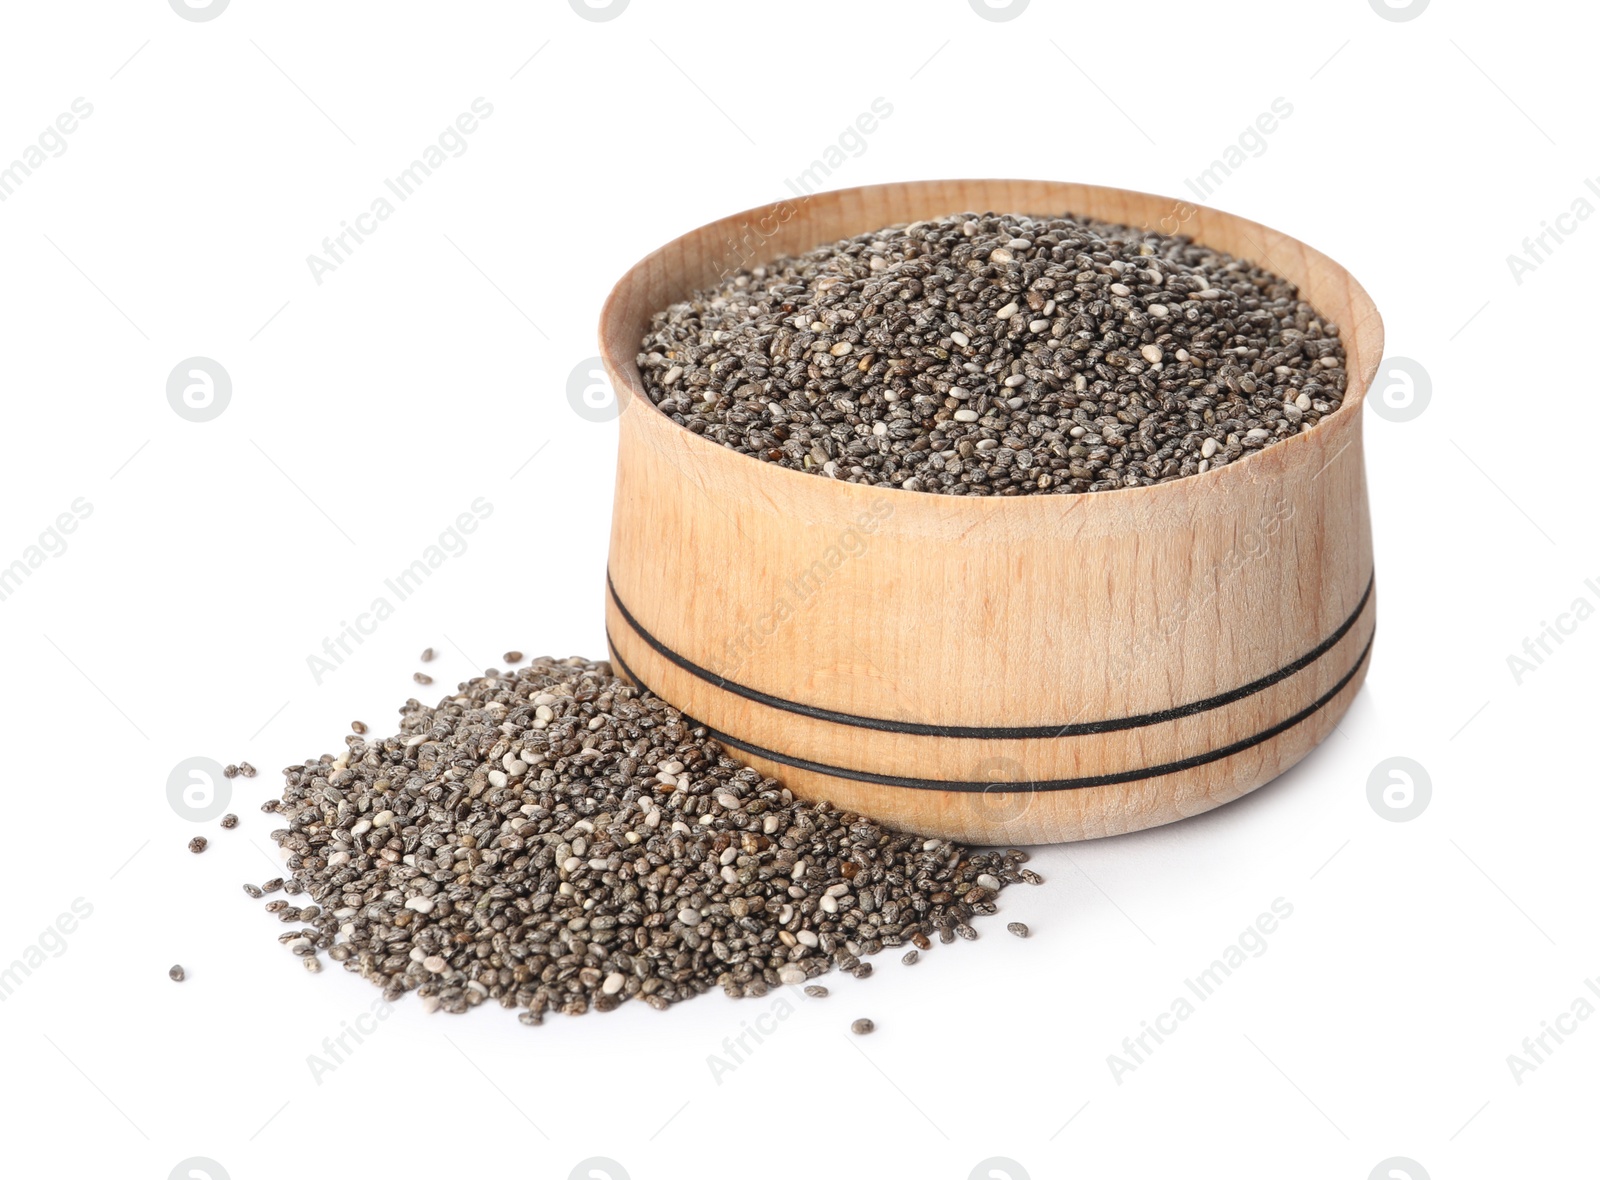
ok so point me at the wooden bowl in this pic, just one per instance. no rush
(998, 670)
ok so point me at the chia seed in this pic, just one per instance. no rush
(997, 354)
(554, 839)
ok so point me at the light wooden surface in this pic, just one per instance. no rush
(814, 623)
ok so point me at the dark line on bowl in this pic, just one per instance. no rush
(1061, 784)
(985, 732)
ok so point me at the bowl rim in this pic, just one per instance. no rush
(624, 370)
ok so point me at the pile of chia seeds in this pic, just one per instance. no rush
(996, 354)
(554, 839)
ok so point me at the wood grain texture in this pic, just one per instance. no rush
(1166, 649)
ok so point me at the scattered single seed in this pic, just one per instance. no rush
(862, 1027)
(512, 657)
(422, 678)
(910, 957)
(252, 890)
(1020, 929)
(247, 770)
(230, 820)
(198, 845)
(312, 963)
(176, 973)
(229, 771)
(358, 727)
(427, 654)
(816, 991)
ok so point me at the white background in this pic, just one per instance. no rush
(430, 369)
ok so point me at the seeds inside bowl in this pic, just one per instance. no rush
(997, 354)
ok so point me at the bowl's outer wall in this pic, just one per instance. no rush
(1041, 611)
